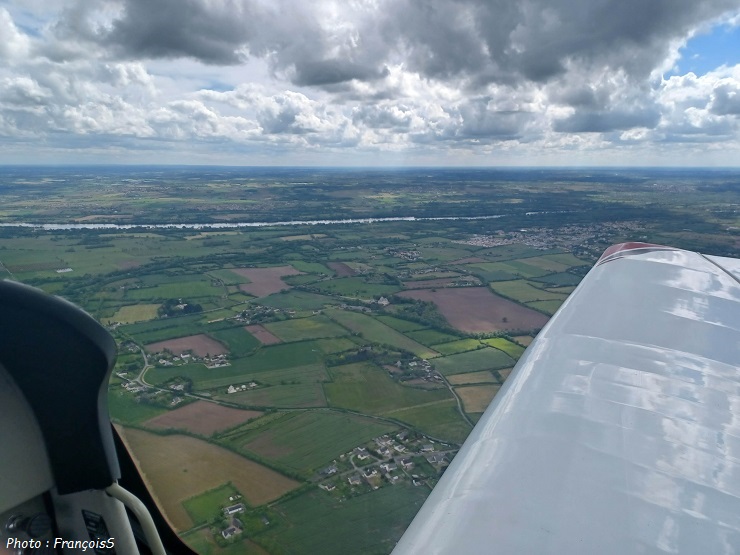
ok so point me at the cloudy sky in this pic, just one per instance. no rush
(371, 82)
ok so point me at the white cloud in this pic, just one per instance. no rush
(441, 81)
(14, 45)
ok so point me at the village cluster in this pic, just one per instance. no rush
(579, 239)
(387, 460)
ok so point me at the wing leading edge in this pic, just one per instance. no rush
(619, 429)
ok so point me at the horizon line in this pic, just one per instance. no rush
(375, 167)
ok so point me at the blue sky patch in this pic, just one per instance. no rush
(706, 52)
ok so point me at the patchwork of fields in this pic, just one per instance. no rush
(162, 461)
(249, 379)
(323, 376)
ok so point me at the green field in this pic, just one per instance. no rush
(511, 349)
(220, 378)
(401, 325)
(510, 252)
(524, 292)
(492, 271)
(298, 329)
(459, 346)
(430, 337)
(548, 307)
(521, 268)
(565, 259)
(548, 263)
(239, 341)
(311, 267)
(443, 254)
(568, 289)
(298, 300)
(125, 409)
(307, 440)
(561, 279)
(356, 287)
(364, 387)
(335, 345)
(130, 314)
(372, 330)
(186, 290)
(203, 543)
(167, 328)
(484, 376)
(482, 359)
(239, 297)
(286, 395)
(440, 420)
(369, 524)
(310, 373)
(228, 277)
(207, 506)
(274, 357)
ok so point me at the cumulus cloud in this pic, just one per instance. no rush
(13, 43)
(212, 32)
(476, 75)
(726, 99)
(700, 108)
(586, 121)
(484, 41)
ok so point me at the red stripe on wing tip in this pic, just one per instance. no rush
(623, 247)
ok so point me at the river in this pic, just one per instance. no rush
(236, 225)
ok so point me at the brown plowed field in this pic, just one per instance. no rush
(341, 269)
(265, 281)
(477, 309)
(202, 418)
(178, 467)
(200, 344)
(262, 334)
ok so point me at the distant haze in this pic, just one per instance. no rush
(371, 82)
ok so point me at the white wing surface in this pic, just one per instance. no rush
(619, 429)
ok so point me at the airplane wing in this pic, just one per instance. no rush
(619, 429)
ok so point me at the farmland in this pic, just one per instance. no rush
(264, 281)
(472, 361)
(304, 441)
(375, 331)
(314, 327)
(263, 336)
(318, 523)
(131, 314)
(364, 387)
(201, 418)
(164, 459)
(476, 309)
(279, 355)
(200, 345)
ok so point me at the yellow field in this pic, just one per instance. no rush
(179, 467)
(567, 289)
(505, 373)
(134, 313)
(472, 377)
(477, 398)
